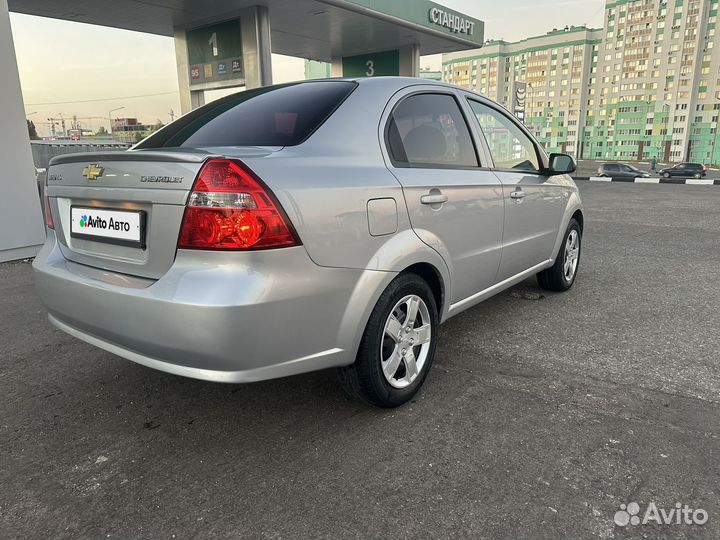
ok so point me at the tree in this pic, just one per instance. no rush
(102, 131)
(32, 131)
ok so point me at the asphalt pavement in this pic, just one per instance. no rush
(543, 413)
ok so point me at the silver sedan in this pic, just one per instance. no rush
(299, 227)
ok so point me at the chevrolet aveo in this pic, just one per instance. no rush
(298, 227)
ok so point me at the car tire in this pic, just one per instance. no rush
(561, 275)
(383, 374)
(666, 175)
(698, 175)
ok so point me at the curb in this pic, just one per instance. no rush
(686, 181)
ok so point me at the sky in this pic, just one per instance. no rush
(105, 68)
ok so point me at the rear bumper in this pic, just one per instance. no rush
(226, 317)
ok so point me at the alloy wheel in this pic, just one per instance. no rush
(406, 341)
(572, 255)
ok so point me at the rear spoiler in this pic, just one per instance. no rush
(185, 156)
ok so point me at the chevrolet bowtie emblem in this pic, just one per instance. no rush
(93, 172)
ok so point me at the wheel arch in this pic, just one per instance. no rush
(580, 218)
(433, 278)
(573, 209)
(404, 252)
(407, 252)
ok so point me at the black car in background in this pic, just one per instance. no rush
(686, 170)
(621, 171)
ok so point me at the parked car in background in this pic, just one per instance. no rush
(621, 170)
(685, 170)
(304, 226)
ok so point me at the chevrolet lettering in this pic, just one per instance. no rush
(161, 179)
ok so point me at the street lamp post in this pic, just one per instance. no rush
(667, 138)
(110, 119)
(712, 147)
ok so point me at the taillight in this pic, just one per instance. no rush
(231, 209)
(46, 202)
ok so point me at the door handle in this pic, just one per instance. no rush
(519, 194)
(435, 198)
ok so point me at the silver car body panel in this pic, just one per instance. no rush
(466, 230)
(245, 316)
(229, 317)
(531, 223)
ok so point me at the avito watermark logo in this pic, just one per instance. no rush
(680, 514)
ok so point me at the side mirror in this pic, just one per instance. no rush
(561, 164)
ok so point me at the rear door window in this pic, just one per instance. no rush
(429, 130)
(282, 115)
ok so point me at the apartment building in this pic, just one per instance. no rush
(543, 79)
(645, 85)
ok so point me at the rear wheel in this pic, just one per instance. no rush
(698, 175)
(561, 275)
(398, 345)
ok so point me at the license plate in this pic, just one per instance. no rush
(108, 225)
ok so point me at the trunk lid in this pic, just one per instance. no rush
(149, 188)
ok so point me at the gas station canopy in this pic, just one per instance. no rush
(314, 29)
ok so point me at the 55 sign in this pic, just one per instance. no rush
(215, 55)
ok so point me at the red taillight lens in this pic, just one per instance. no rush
(231, 209)
(46, 202)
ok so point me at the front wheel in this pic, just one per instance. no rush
(666, 175)
(398, 345)
(561, 275)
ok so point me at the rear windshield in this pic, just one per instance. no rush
(283, 115)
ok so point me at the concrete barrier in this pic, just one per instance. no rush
(647, 180)
(656, 180)
(700, 181)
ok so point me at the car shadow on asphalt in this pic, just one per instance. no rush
(103, 388)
